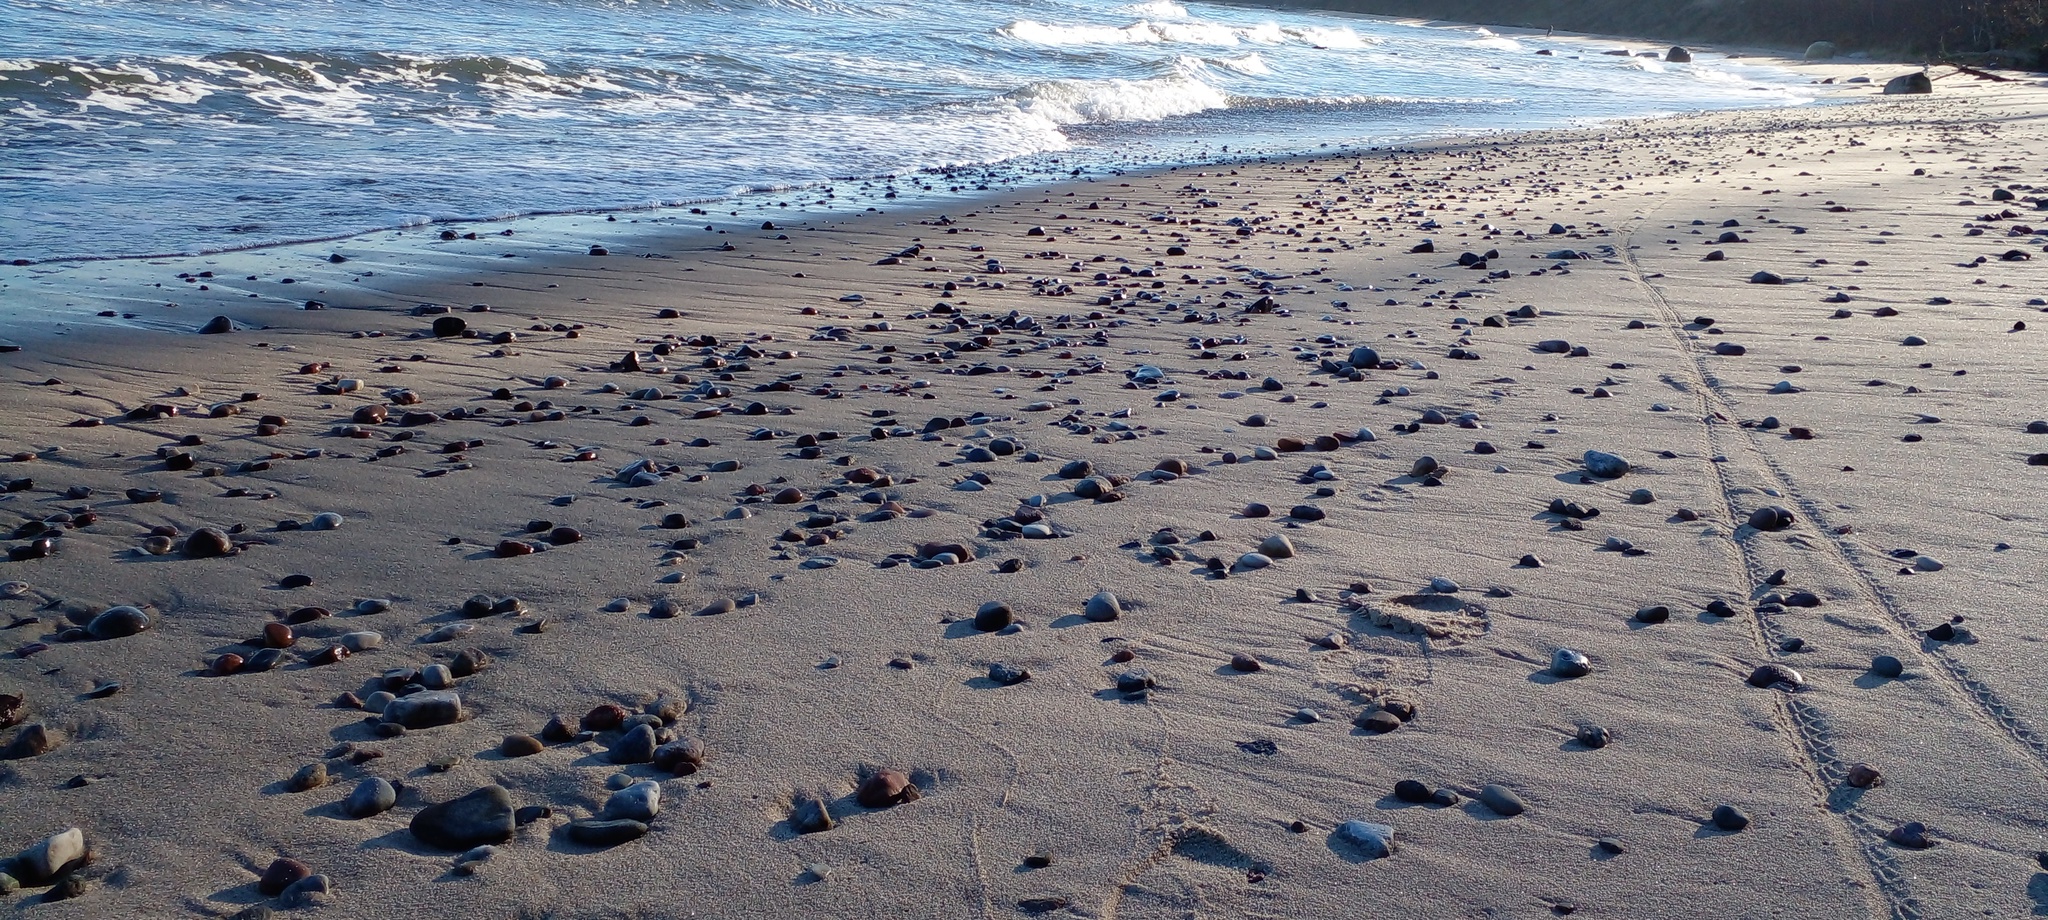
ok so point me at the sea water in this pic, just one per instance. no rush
(143, 127)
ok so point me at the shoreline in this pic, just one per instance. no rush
(1042, 170)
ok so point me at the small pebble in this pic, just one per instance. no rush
(1729, 818)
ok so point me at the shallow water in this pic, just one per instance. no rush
(132, 127)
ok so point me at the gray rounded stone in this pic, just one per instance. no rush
(640, 801)
(1569, 663)
(1502, 800)
(636, 747)
(373, 796)
(425, 710)
(1277, 546)
(1377, 840)
(1606, 465)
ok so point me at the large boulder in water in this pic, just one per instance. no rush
(1912, 84)
(1678, 55)
(1820, 51)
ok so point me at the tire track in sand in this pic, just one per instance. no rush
(1812, 736)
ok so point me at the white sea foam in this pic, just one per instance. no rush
(1337, 37)
(1250, 64)
(1144, 32)
(1487, 39)
(1158, 9)
(1081, 102)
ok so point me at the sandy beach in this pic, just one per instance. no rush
(1636, 521)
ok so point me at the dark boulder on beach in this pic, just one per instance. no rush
(1677, 55)
(1912, 84)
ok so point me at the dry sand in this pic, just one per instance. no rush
(1210, 796)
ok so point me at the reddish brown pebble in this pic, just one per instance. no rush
(281, 875)
(886, 788)
(682, 757)
(277, 635)
(509, 548)
(207, 543)
(604, 718)
(225, 665)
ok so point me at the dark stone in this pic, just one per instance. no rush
(993, 615)
(32, 741)
(1378, 722)
(597, 833)
(1771, 518)
(1912, 84)
(483, 816)
(1769, 676)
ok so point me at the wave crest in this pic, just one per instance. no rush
(1088, 102)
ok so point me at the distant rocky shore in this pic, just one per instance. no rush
(1996, 32)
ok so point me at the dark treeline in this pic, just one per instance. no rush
(2016, 29)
